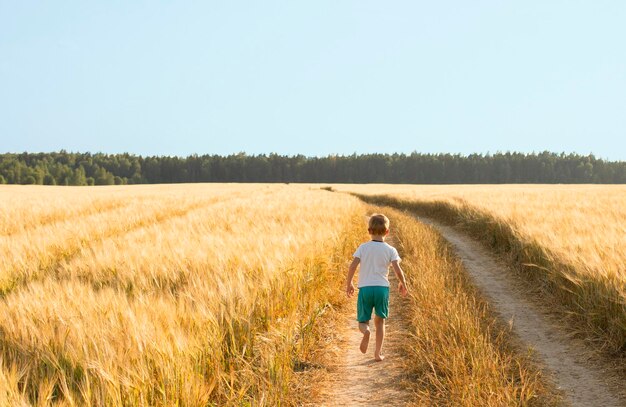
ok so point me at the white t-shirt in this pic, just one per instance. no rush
(375, 260)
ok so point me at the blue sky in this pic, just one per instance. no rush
(314, 78)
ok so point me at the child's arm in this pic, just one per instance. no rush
(351, 271)
(400, 274)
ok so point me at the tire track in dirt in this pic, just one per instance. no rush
(582, 383)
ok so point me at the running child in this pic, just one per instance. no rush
(375, 258)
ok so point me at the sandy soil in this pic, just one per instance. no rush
(582, 383)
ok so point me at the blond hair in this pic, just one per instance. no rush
(378, 224)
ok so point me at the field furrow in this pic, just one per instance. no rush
(43, 253)
(56, 215)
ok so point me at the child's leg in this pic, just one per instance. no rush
(364, 327)
(364, 313)
(382, 312)
(380, 337)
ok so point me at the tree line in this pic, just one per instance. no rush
(67, 168)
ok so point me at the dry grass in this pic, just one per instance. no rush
(458, 354)
(568, 240)
(165, 295)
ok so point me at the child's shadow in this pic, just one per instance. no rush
(368, 362)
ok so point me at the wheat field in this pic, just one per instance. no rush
(164, 295)
(223, 294)
(571, 236)
(583, 225)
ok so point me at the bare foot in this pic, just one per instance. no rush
(379, 358)
(365, 341)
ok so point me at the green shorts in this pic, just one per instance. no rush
(374, 296)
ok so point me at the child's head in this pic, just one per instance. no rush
(378, 225)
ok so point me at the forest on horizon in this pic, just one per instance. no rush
(70, 168)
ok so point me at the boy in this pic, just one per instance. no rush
(375, 257)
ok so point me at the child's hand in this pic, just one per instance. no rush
(349, 290)
(403, 290)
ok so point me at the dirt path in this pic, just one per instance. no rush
(358, 379)
(571, 371)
